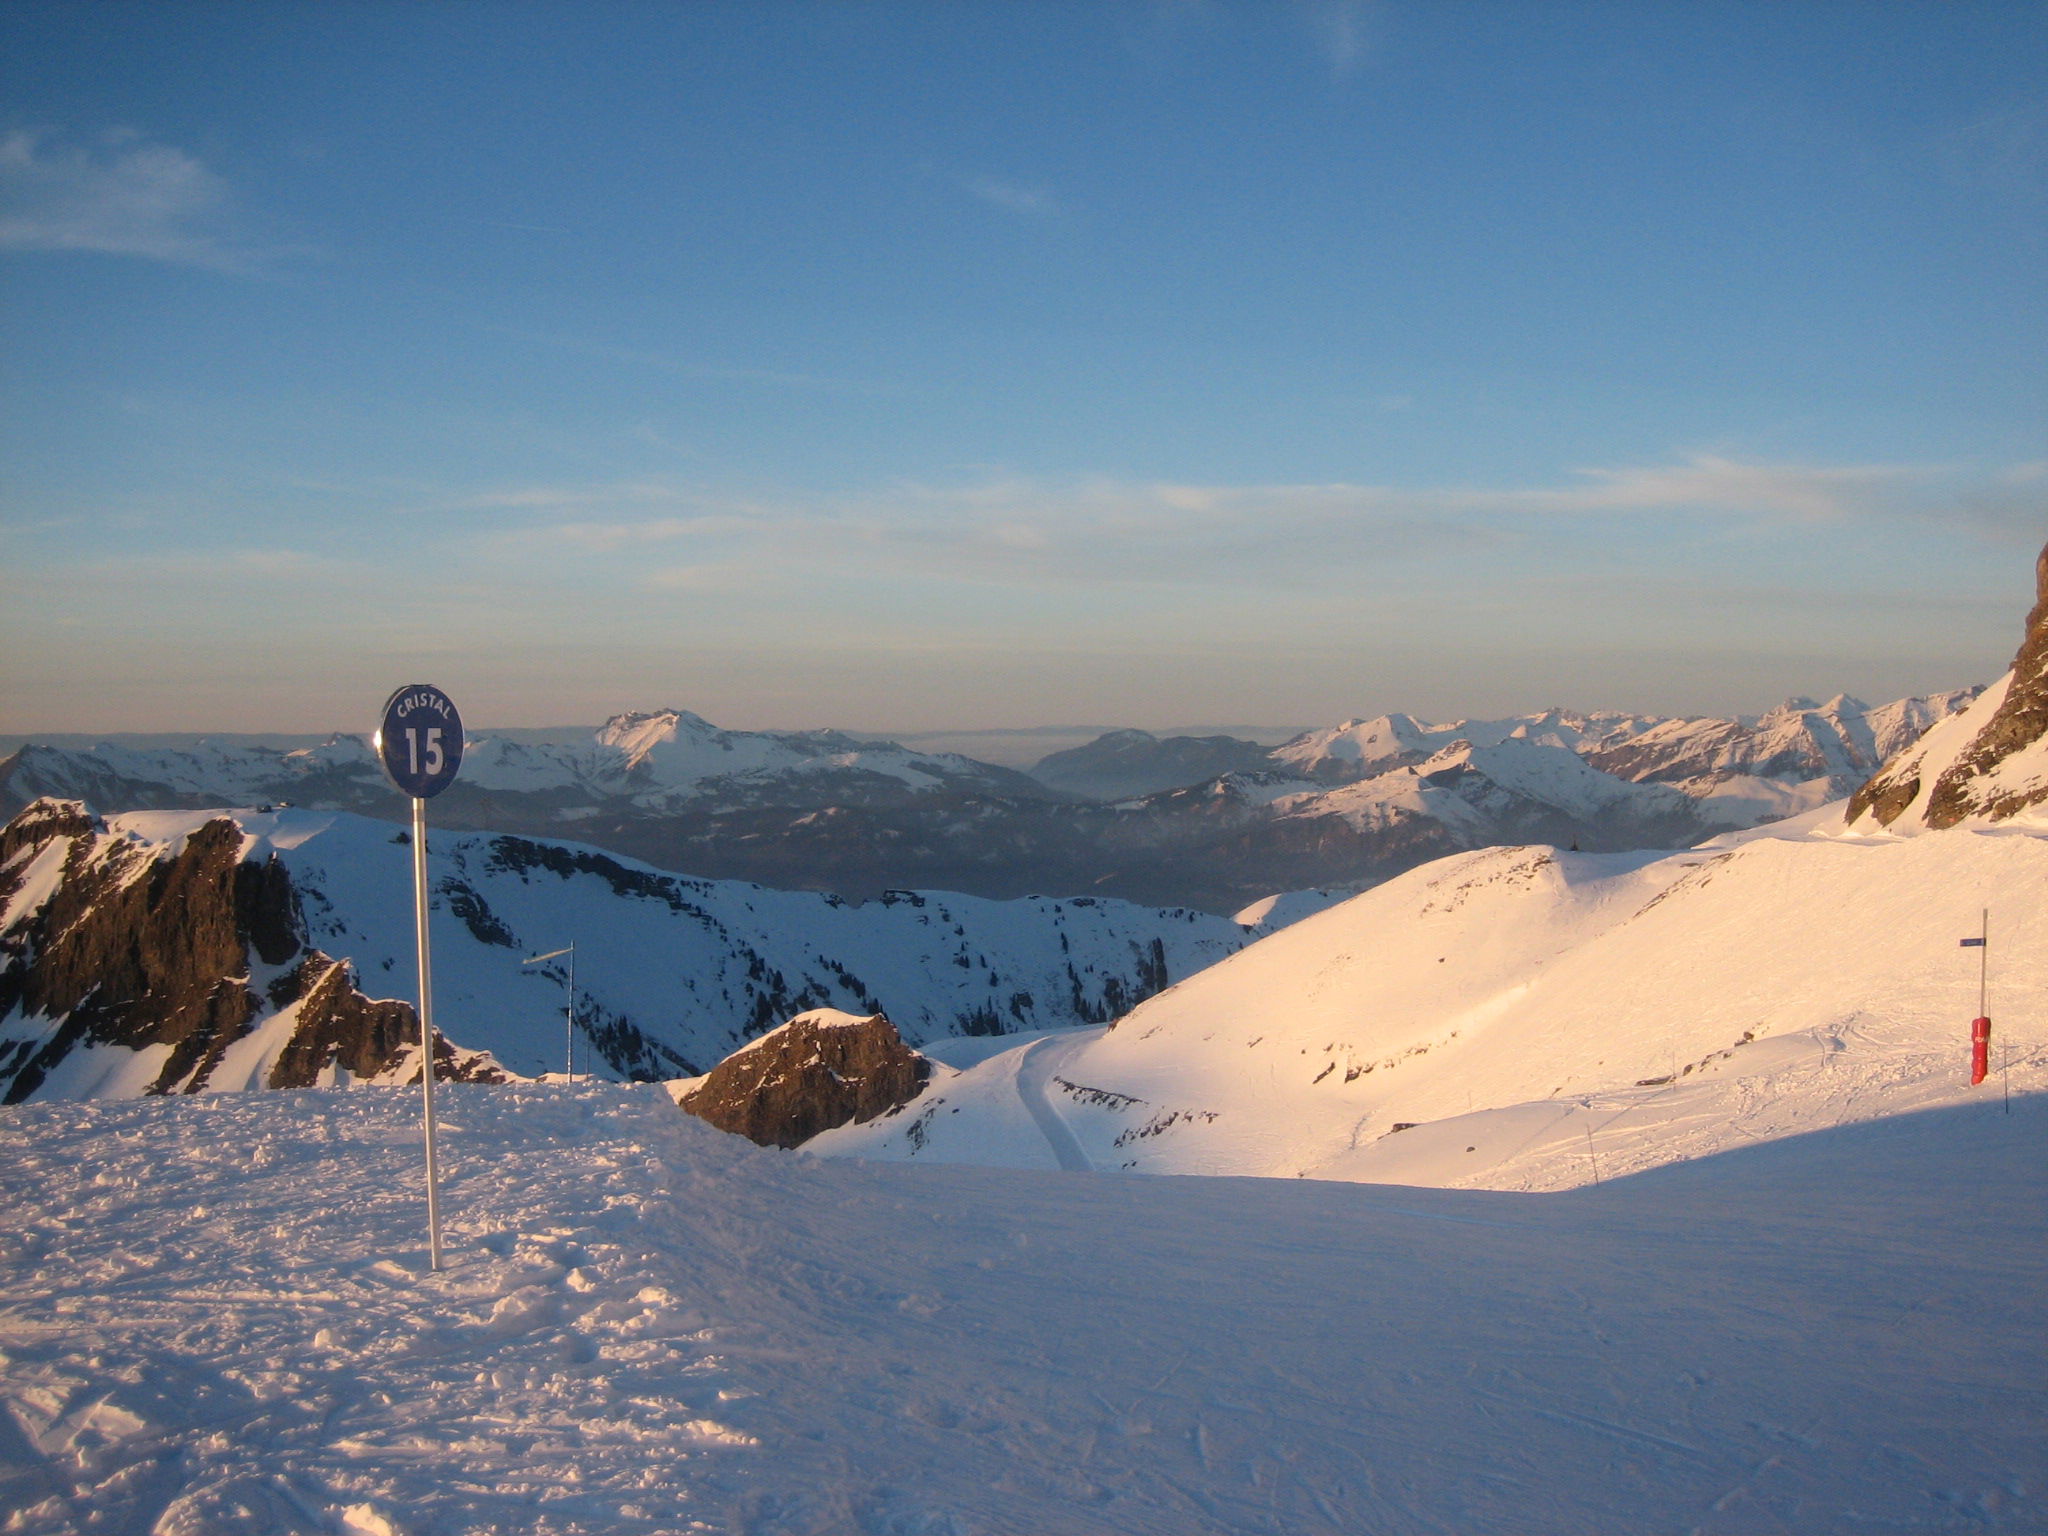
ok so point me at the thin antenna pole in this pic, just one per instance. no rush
(419, 901)
(569, 1053)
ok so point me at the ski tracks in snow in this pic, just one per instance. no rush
(1034, 1070)
(215, 1321)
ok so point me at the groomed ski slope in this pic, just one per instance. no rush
(1536, 1019)
(214, 1318)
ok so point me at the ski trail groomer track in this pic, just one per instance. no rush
(1032, 1072)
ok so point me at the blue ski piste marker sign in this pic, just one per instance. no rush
(420, 746)
(420, 742)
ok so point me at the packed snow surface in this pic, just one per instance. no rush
(1531, 1018)
(215, 1317)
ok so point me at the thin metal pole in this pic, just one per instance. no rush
(1983, 1011)
(419, 911)
(1984, 966)
(572, 1012)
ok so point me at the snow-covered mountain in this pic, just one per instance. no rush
(1359, 749)
(1516, 790)
(1809, 752)
(1471, 1023)
(1527, 1017)
(1213, 822)
(1367, 799)
(1816, 751)
(171, 951)
(648, 762)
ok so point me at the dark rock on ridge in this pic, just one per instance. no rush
(2020, 721)
(1967, 785)
(820, 1070)
(339, 1026)
(137, 947)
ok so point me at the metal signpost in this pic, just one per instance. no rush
(420, 746)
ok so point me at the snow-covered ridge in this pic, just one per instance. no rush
(1358, 748)
(1841, 742)
(1471, 1023)
(1214, 822)
(1385, 793)
(648, 759)
(672, 973)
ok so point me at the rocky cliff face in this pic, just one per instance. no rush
(821, 1070)
(174, 953)
(1990, 762)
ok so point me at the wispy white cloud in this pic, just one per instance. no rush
(664, 362)
(1022, 531)
(1014, 196)
(1340, 28)
(120, 195)
(542, 498)
(1709, 483)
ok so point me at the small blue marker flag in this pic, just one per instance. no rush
(1973, 944)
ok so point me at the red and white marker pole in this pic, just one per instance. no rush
(1980, 1027)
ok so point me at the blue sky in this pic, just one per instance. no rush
(945, 366)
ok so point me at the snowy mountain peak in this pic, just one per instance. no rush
(636, 734)
(1359, 745)
(1797, 705)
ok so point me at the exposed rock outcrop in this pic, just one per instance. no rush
(1990, 762)
(106, 940)
(820, 1070)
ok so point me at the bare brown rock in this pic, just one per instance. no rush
(820, 1070)
(1967, 786)
(2021, 720)
(138, 947)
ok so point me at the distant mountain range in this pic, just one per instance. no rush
(1208, 821)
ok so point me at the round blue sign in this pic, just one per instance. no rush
(420, 741)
